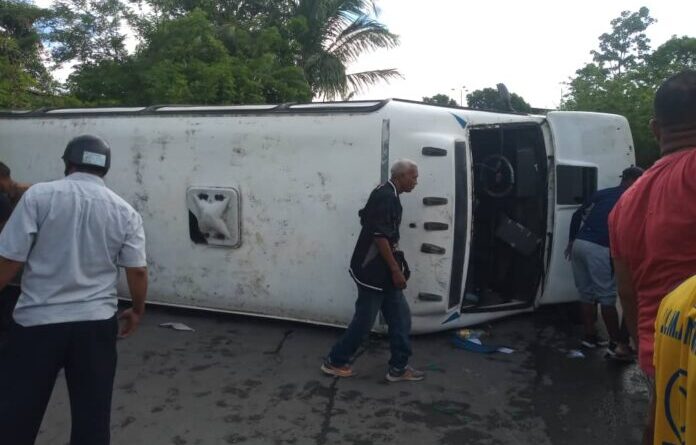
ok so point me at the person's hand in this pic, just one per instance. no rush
(398, 279)
(569, 250)
(129, 322)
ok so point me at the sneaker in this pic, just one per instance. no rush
(619, 352)
(336, 371)
(408, 374)
(593, 341)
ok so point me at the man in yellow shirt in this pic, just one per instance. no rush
(675, 367)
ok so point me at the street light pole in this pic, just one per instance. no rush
(461, 94)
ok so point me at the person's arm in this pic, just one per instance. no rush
(132, 258)
(628, 297)
(17, 238)
(576, 224)
(385, 251)
(8, 270)
(137, 285)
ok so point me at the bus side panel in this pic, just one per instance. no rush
(301, 180)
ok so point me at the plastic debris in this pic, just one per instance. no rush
(474, 344)
(469, 334)
(177, 326)
(575, 353)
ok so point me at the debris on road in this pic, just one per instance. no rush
(470, 340)
(177, 326)
(575, 353)
(467, 334)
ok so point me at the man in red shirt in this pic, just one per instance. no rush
(653, 226)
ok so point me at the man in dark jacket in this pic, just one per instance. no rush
(380, 273)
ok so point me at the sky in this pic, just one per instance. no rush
(534, 46)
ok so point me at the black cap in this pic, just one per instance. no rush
(632, 172)
(88, 151)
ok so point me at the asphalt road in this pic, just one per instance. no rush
(254, 381)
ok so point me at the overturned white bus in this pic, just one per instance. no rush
(253, 209)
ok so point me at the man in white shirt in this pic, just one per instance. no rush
(71, 236)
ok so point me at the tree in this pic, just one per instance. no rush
(191, 51)
(23, 78)
(190, 60)
(675, 55)
(331, 34)
(489, 99)
(440, 99)
(625, 75)
(105, 83)
(627, 44)
(87, 31)
(252, 14)
(15, 82)
(321, 36)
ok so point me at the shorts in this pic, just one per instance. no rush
(594, 277)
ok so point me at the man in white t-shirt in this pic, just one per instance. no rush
(71, 236)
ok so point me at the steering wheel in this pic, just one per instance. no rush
(497, 175)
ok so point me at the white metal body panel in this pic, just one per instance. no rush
(301, 179)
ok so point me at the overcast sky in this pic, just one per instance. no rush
(532, 46)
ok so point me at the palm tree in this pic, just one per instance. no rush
(332, 34)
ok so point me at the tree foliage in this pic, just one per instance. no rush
(190, 60)
(188, 51)
(24, 80)
(15, 81)
(440, 99)
(331, 34)
(489, 99)
(320, 36)
(625, 74)
(87, 31)
(17, 23)
(626, 46)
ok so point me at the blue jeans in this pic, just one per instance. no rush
(398, 317)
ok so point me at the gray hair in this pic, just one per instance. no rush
(402, 166)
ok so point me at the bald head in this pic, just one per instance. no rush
(675, 100)
(674, 118)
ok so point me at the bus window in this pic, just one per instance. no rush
(575, 185)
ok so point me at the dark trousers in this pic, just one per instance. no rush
(398, 317)
(29, 365)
